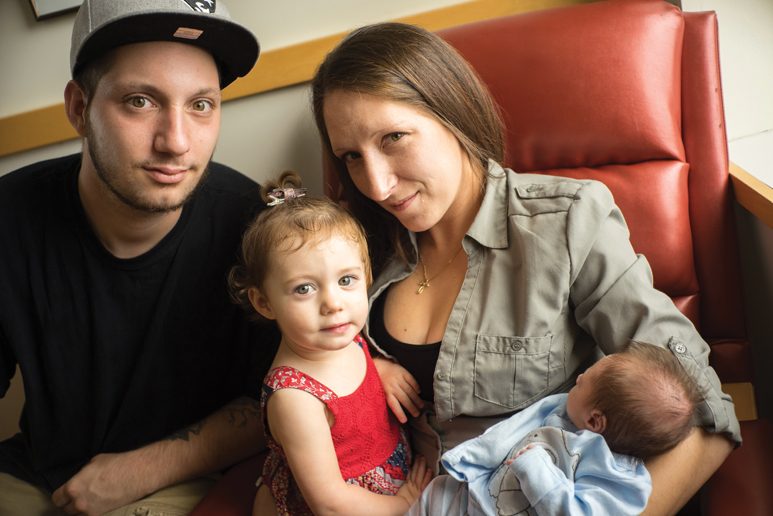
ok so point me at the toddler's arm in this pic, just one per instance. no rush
(400, 387)
(299, 423)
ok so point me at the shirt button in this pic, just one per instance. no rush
(517, 345)
(680, 348)
(442, 376)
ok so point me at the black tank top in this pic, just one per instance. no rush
(419, 360)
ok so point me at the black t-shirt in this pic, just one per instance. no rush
(118, 353)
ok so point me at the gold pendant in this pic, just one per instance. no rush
(422, 285)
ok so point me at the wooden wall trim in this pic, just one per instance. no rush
(275, 69)
(752, 194)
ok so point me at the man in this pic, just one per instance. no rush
(113, 280)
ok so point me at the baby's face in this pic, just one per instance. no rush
(579, 403)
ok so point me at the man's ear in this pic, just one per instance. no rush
(596, 421)
(75, 102)
(260, 303)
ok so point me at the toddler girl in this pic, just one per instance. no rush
(334, 447)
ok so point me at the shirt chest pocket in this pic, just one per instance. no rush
(511, 371)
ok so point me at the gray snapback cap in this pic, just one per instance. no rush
(102, 25)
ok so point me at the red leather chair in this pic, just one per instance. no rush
(627, 92)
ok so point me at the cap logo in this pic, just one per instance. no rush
(187, 33)
(202, 6)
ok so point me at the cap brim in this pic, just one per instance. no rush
(234, 48)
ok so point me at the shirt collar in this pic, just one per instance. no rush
(489, 228)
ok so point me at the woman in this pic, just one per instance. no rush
(493, 289)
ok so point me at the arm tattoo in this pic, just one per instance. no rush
(238, 413)
(185, 434)
(241, 411)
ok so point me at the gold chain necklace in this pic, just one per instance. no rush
(423, 284)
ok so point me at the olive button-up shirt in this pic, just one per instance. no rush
(552, 284)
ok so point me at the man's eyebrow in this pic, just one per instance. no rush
(213, 92)
(155, 91)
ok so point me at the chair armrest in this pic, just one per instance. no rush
(234, 493)
(742, 484)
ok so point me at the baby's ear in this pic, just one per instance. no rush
(596, 421)
(260, 303)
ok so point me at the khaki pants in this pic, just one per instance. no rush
(18, 498)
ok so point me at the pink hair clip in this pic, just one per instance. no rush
(280, 195)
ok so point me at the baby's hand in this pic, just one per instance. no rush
(400, 388)
(519, 453)
(418, 478)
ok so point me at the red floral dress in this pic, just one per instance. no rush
(372, 449)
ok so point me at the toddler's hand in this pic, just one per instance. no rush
(418, 478)
(400, 388)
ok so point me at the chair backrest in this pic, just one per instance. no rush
(628, 92)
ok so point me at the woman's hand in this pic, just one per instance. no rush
(400, 387)
(417, 480)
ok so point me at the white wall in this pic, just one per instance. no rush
(746, 53)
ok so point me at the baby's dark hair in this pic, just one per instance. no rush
(649, 400)
(285, 228)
